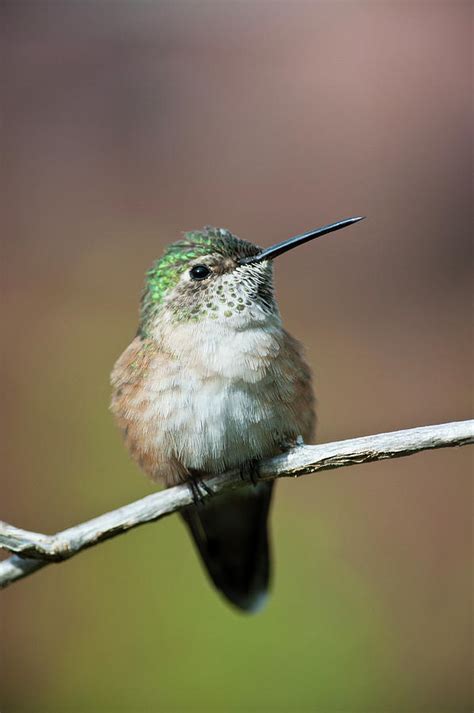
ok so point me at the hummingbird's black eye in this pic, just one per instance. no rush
(199, 272)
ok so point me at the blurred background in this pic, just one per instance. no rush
(124, 124)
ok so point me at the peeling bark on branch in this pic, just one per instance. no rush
(34, 550)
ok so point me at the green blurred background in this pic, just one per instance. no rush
(124, 123)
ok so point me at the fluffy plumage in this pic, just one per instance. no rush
(212, 382)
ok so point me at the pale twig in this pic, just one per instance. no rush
(34, 550)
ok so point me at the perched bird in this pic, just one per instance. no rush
(213, 382)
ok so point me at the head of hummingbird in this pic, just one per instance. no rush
(213, 275)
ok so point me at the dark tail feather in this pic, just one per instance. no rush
(230, 532)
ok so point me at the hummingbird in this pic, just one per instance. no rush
(213, 382)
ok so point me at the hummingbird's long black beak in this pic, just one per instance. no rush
(280, 248)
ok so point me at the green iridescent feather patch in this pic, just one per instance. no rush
(166, 271)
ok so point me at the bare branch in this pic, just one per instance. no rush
(34, 550)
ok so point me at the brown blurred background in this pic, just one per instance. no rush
(124, 123)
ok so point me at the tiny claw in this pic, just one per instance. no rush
(291, 443)
(209, 491)
(195, 494)
(249, 471)
(197, 487)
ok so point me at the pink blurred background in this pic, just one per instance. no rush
(124, 124)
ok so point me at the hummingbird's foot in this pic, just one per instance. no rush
(291, 443)
(195, 491)
(209, 491)
(250, 470)
(198, 487)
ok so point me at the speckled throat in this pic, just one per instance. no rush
(217, 246)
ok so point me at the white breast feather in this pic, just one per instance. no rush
(210, 407)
